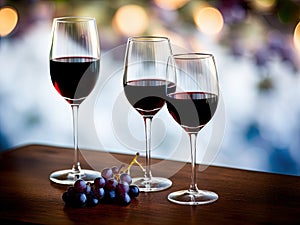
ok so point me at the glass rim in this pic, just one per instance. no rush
(192, 55)
(72, 19)
(148, 38)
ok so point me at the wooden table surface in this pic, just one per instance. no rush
(245, 197)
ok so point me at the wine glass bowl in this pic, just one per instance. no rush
(192, 102)
(144, 86)
(74, 69)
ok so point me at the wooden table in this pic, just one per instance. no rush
(27, 195)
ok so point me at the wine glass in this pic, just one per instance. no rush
(192, 103)
(74, 69)
(144, 86)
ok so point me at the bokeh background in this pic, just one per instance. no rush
(256, 44)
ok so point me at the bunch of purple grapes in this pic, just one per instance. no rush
(111, 187)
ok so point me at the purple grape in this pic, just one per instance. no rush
(99, 182)
(124, 199)
(110, 196)
(66, 197)
(107, 173)
(92, 200)
(80, 186)
(134, 191)
(80, 200)
(125, 177)
(115, 170)
(71, 191)
(111, 184)
(99, 193)
(122, 188)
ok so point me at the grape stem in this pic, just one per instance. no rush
(134, 161)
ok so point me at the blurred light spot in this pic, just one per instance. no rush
(170, 4)
(209, 20)
(131, 20)
(8, 20)
(263, 5)
(297, 37)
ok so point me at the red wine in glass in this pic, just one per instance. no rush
(147, 96)
(192, 110)
(74, 77)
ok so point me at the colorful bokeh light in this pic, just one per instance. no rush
(263, 5)
(170, 4)
(8, 20)
(297, 37)
(130, 20)
(209, 20)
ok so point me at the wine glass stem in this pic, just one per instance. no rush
(148, 122)
(76, 166)
(193, 141)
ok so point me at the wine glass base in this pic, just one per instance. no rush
(153, 185)
(186, 197)
(68, 177)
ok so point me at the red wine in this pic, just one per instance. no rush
(74, 77)
(192, 110)
(147, 96)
